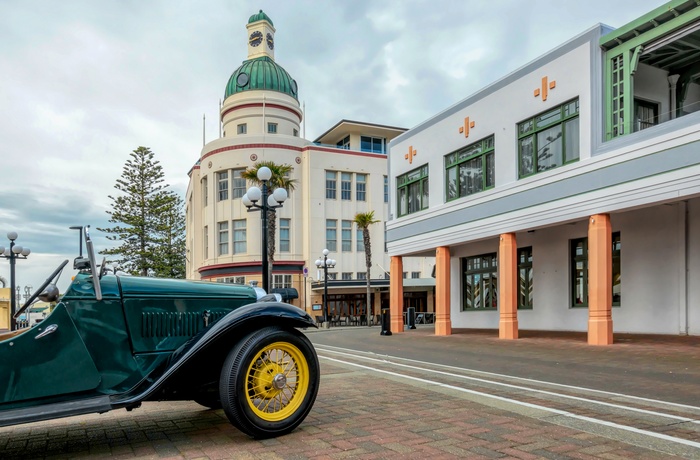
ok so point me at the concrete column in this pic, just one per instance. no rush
(672, 82)
(508, 286)
(600, 330)
(443, 323)
(396, 294)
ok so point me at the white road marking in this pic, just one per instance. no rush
(525, 404)
(541, 382)
(518, 387)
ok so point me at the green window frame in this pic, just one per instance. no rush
(471, 169)
(549, 139)
(525, 279)
(412, 191)
(480, 282)
(579, 271)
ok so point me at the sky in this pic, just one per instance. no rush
(84, 83)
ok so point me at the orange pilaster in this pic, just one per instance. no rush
(443, 322)
(508, 286)
(396, 294)
(600, 330)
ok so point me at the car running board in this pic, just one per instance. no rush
(55, 410)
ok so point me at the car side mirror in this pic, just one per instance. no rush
(50, 294)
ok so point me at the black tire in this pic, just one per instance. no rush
(269, 382)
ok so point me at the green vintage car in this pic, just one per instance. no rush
(116, 341)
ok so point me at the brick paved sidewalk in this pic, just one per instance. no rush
(356, 415)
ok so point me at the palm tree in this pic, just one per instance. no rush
(280, 179)
(363, 221)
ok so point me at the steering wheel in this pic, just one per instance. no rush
(103, 268)
(40, 290)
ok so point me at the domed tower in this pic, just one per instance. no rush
(261, 119)
(261, 97)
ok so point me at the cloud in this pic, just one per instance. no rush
(85, 83)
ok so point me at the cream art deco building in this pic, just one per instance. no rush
(342, 173)
(566, 195)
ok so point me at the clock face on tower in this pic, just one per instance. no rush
(270, 41)
(255, 38)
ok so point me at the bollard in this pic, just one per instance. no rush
(386, 328)
(411, 317)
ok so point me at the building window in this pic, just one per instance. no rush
(205, 248)
(646, 114)
(412, 191)
(272, 128)
(242, 128)
(346, 235)
(616, 270)
(372, 144)
(231, 280)
(362, 275)
(331, 184)
(346, 276)
(238, 183)
(579, 271)
(415, 275)
(361, 186)
(549, 140)
(386, 189)
(205, 191)
(360, 236)
(479, 278)
(344, 143)
(471, 169)
(405, 275)
(525, 273)
(222, 181)
(331, 234)
(284, 234)
(345, 186)
(223, 238)
(240, 237)
(332, 276)
(281, 281)
(295, 132)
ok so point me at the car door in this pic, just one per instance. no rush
(46, 360)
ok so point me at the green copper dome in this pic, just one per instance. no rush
(261, 74)
(259, 17)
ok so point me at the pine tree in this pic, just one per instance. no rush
(145, 216)
(170, 251)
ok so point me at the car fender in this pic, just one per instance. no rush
(231, 328)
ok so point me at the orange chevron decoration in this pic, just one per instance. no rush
(411, 153)
(546, 86)
(465, 129)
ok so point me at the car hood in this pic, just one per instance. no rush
(137, 286)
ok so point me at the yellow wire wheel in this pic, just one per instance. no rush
(269, 381)
(277, 381)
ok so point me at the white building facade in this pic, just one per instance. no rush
(564, 196)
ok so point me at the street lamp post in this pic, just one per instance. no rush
(326, 263)
(13, 253)
(269, 203)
